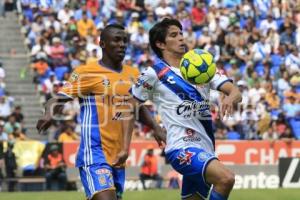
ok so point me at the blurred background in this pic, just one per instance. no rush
(255, 42)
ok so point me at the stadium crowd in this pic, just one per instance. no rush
(256, 43)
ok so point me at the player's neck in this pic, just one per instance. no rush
(172, 59)
(108, 63)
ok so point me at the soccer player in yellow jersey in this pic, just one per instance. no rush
(106, 116)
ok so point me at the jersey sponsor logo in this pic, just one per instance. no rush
(192, 108)
(185, 156)
(190, 136)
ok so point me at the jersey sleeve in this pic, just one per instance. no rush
(145, 85)
(78, 85)
(218, 80)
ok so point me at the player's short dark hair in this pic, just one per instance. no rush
(107, 29)
(159, 33)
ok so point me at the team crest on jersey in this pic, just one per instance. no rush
(74, 77)
(185, 157)
(106, 83)
(102, 180)
(140, 82)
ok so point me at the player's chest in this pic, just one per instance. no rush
(115, 84)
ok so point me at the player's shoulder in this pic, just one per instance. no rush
(149, 71)
(131, 70)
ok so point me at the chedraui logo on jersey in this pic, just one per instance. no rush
(192, 108)
(191, 136)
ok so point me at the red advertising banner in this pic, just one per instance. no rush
(256, 152)
(229, 152)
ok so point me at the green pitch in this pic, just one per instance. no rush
(276, 194)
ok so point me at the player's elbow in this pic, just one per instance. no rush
(239, 97)
(228, 180)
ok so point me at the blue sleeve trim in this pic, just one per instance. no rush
(220, 85)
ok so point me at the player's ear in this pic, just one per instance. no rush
(160, 45)
(102, 44)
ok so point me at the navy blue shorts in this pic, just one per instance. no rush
(100, 177)
(191, 163)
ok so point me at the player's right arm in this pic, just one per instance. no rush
(142, 91)
(78, 85)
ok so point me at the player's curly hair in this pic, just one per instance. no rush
(159, 32)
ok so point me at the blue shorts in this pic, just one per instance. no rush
(191, 163)
(99, 177)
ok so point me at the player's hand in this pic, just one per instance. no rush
(121, 158)
(226, 107)
(44, 123)
(160, 136)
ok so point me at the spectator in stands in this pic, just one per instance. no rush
(149, 21)
(65, 14)
(40, 66)
(17, 135)
(190, 38)
(55, 169)
(271, 133)
(287, 135)
(41, 49)
(267, 24)
(57, 52)
(163, 10)
(3, 139)
(11, 125)
(149, 169)
(10, 166)
(272, 100)
(68, 135)
(86, 27)
(5, 106)
(291, 108)
(139, 40)
(198, 15)
(17, 113)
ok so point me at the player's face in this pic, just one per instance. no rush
(115, 46)
(174, 42)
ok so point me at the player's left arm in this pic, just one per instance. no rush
(128, 120)
(232, 97)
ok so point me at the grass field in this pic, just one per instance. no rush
(277, 194)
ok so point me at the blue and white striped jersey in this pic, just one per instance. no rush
(183, 107)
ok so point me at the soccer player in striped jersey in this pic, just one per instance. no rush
(185, 113)
(106, 111)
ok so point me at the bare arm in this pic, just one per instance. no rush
(53, 106)
(145, 118)
(128, 120)
(233, 96)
